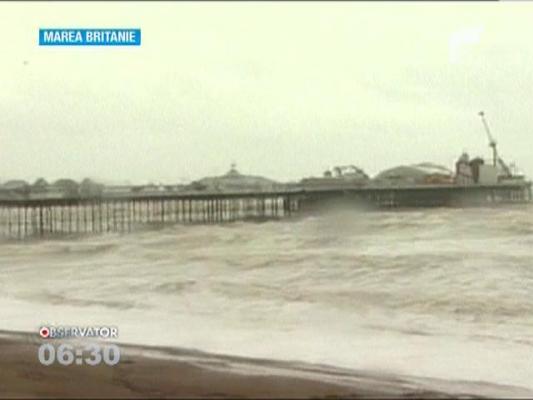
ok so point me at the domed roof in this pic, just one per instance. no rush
(431, 168)
(15, 184)
(40, 183)
(65, 183)
(414, 173)
(233, 179)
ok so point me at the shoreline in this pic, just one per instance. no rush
(164, 372)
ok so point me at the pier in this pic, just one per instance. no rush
(25, 218)
(29, 218)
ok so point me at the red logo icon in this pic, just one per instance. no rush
(44, 332)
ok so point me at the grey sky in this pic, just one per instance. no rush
(283, 89)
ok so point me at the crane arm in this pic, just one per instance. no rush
(486, 125)
(492, 142)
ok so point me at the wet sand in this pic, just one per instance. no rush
(153, 372)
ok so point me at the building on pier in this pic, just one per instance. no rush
(338, 176)
(14, 189)
(477, 172)
(415, 174)
(90, 188)
(16, 184)
(41, 189)
(69, 187)
(233, 180)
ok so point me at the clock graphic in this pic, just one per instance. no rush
(68, 354)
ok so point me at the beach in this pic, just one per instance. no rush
(150, 372)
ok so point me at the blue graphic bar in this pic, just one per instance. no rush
(89, 37)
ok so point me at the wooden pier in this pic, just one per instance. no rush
(28, 218)
(25, 218)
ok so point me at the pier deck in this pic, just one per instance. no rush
(38, 217)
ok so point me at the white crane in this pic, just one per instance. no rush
(492, 143)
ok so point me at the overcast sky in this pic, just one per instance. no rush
(285, 90)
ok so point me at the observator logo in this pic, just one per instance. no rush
(62, 332)
(89, 37)
(44, 332)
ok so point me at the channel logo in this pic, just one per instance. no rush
(62, 332)
(44, 332)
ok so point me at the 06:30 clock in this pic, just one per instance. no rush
(66, 354)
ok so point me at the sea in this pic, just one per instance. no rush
(440, 293)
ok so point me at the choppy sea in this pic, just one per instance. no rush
(442, 293)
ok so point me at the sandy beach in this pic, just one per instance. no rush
(149, 372)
